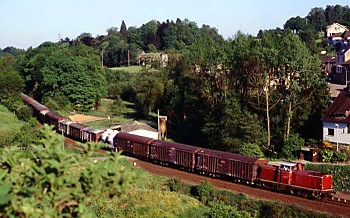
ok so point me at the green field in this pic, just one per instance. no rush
(128, 114)
(9, 122)
(130, 69)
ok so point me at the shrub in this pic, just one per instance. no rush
(292, 145)
(251, 149)
(339, 157)
(204, 191)
(218, 209)
(326, 155)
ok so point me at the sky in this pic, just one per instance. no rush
(25, 23)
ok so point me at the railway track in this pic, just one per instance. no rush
(336, 206)
(337, 201)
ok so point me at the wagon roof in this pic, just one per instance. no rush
(135, 138)
(38, 106)
(92, 130)
(66, 122)
(55, 116)
(26, 98)
(176, 145)
(78, 126)
(232, 156)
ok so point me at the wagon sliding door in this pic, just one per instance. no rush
(241, 170)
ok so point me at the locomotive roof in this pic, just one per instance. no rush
(232, 156)
(176, 145)
(135, 138)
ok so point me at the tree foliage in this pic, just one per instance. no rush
(51, 182)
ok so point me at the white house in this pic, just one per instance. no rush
(334, 29)
(336, 120)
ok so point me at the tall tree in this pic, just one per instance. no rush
(124, 32)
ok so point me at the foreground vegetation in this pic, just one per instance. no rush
(46, 181)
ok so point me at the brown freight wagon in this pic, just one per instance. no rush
(174, 153)
(91, 134)
(39, 111)
(53, 119)
(28, 100)
(76, 131)
(236, 166)
(64, 126)
(132, 144)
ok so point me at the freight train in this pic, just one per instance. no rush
(288, 177)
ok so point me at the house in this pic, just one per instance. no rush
(336, 120)
(346, 37)
(334, 29)
(140, 129)
(328, 62)
(342, 70)
(147, 59)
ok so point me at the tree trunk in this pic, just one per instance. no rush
(289, 120)
(268, 116)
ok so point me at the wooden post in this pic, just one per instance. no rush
(128, 57)
(158, 125)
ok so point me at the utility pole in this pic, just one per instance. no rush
(128, 57)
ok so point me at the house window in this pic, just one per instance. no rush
(339, 70)
(330, 132)
(348, 125)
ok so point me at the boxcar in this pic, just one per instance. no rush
(132, 144)
(64, 126)
(39, 111)
(178, 154)
(28, 100)
(53, 119)
(91, 134)
(76, 131)
(235, 166)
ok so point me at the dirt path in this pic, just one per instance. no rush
(81, 118)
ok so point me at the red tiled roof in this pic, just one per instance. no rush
(345, 34)
(339, 111)
(328, 59)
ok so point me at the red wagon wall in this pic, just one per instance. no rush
(133, 144)
(174, 153)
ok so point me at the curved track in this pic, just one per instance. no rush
(321, 206)
(330, 206)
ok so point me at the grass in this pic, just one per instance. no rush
(130, 69)
(128, 113)
(149, 197)
(9, 122)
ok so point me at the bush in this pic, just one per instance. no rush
(292, 145)
(205, 191)
(24, 113)
(218, 209)
(251, 150)
(332, 156)
(326, 155)
(339, 157)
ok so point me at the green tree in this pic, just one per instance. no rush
(11, 84)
